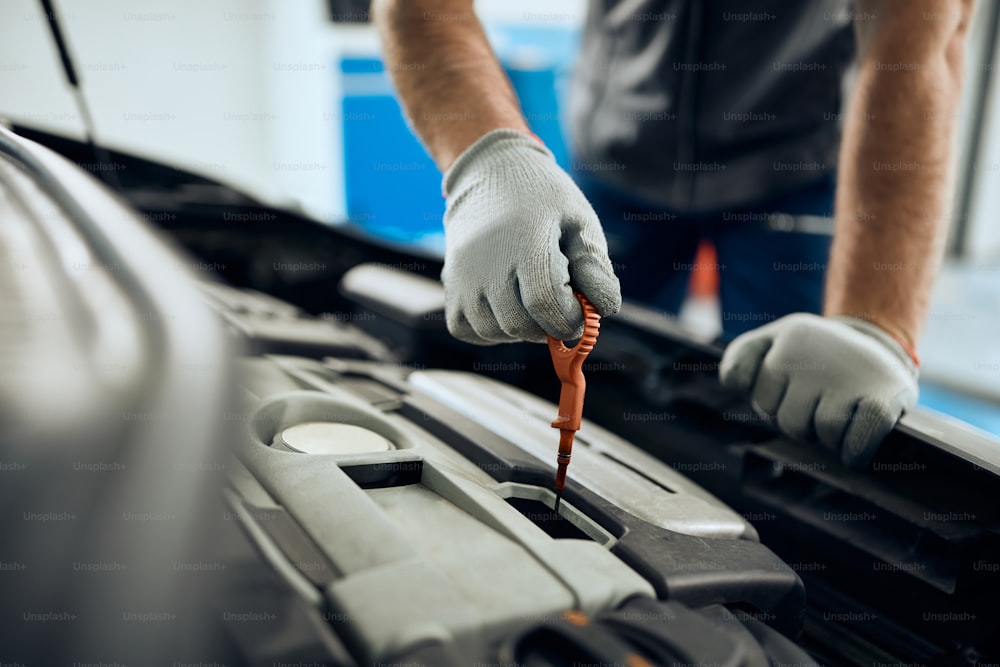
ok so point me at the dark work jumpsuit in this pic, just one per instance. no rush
(715, 119)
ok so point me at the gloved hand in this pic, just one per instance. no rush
(518, 235)
(839, 380)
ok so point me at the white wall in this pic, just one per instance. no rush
(32, 86)
(233, 89)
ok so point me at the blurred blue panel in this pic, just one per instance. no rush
(539, 60)
(979, 412)
(537, 91)
(393, 187)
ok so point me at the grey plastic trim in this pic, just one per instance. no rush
(602, 462)
(566, 510)
(272, 554)
(953, 436)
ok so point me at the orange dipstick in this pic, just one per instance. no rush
(568, 363)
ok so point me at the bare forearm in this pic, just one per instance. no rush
(896, 168)
(446, 74)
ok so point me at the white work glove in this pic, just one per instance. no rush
(839, 380)
(520, 237)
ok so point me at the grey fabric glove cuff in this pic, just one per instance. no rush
(496, 144)
(879, 334)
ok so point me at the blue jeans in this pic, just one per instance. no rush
(769, 266)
